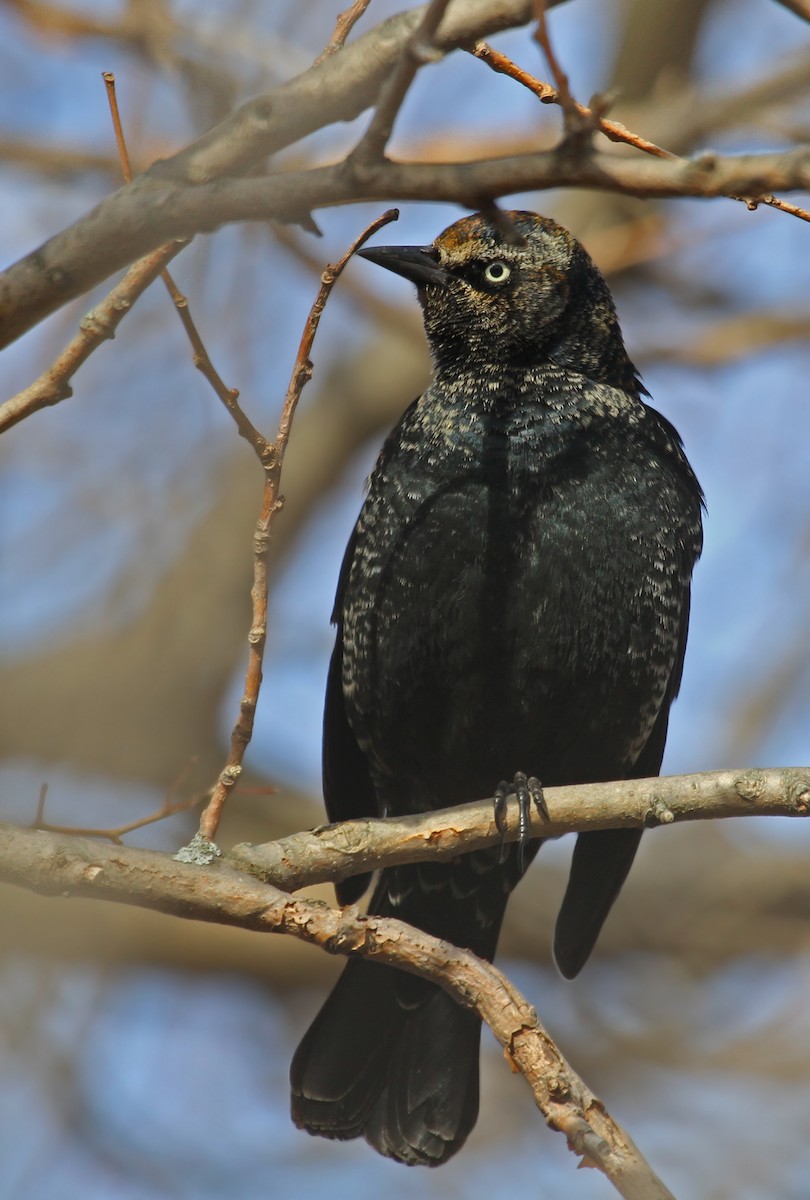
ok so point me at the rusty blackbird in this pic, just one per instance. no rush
(514, 598)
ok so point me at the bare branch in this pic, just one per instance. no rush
(56, 865)
(546, 94)
(419, 50)
(335, 852)
(94, 328)
(271, 456)
(782, 205)
(541, 36)
(338, 88)
(148, 213)
(195, 190)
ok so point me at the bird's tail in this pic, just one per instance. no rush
(391, 1056)
(599, 867)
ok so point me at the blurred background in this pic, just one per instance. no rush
(142, 1056)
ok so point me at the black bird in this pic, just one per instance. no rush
(514, 597)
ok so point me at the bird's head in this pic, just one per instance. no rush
(492, 300)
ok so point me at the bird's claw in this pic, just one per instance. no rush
(527, 790)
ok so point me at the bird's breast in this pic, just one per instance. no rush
(509, 588)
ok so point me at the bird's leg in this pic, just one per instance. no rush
(527, 791)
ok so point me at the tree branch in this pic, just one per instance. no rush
(95, 327)
(53, 864)
(271, 456)
(419, 50)
(148, 212)
(332, 853)
(56, 864)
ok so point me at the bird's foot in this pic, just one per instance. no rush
(527, 790)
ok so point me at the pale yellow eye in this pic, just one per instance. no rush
(497, 272)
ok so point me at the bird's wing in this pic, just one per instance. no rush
(602, 859)
(347, 787)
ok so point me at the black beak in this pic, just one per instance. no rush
(417, 263)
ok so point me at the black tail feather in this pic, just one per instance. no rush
(599, 867)
(391, 1057)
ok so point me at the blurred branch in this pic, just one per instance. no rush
(55, 19)
(730, 339)
(50, 159)
(800, 7)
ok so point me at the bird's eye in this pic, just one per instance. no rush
(497, 272)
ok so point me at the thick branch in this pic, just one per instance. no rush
(54, 864)
(149, 212)
(337, 88)
(335, 852)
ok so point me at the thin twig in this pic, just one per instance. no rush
(53, 385)
(272, 461)
(419, 49)
(569, 106)
(271, 456)
(41, 799)
(782, 205)
(203, 363)
(167, 809)
(546, 94)
(118, 129)
(343, 26)
(202, 360)
(115, 834)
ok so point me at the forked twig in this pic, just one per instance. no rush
(541, 36)
(591, 117)
(272, 460)
(546, 94)
(115, 834)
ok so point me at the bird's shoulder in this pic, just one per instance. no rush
(549, 410)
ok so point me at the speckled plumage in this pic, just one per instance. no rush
(515, 597)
